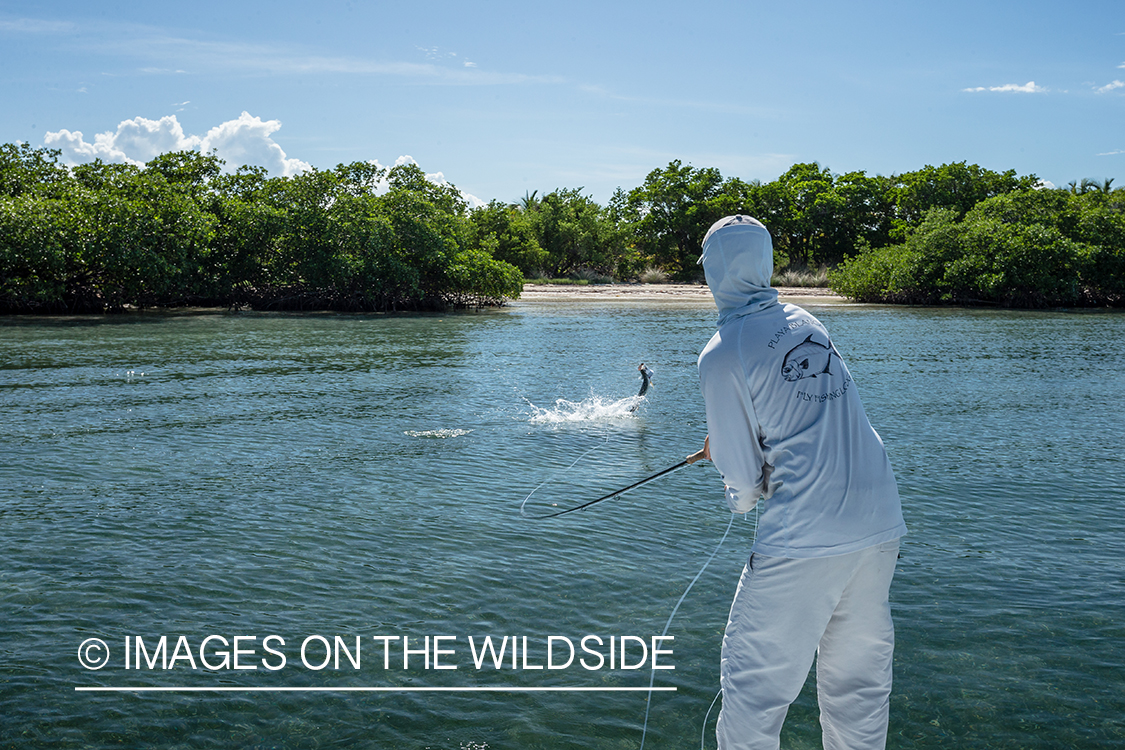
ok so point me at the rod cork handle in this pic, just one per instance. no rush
(694, 457)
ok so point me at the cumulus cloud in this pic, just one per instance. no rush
(1027, 88)
(1110, 87)
(247, 141)
(243, 141)
(438, 178)
(238, 142)
(134, 142)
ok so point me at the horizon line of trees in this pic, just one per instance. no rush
(180, 231)
(104, 237)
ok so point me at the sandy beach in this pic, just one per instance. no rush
(653, 293)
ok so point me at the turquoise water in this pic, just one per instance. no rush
(249, 475)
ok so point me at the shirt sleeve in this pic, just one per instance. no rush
(733, 428)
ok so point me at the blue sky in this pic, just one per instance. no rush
(502, 98)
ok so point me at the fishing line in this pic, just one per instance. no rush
(707, 716)
(646, 375)
(693, 458)
(690, 460)
(703, 732)
(652, 672)
(556, 472)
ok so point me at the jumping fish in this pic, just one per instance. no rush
(646, 380)
(807, 360)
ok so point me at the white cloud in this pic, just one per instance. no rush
(141, 140)
(472, 200)
(1112, 153)
(247, 141)
(1027, 88)
(76, 150)
(1111, 87)
(437, 178)
(238, 142)
(134, 142)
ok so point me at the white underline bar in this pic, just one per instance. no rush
(486, 689)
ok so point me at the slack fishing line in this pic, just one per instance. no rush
(555, 473)
(692, 459)
(703, 731)
(652, 672)
(646, 382)
(707, 716)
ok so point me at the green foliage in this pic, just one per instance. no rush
(477, 279)
(667, 216)
(1100, 224)
(181, 231)
(883, 274)
(814, 216)
(957, 186)
(1029, 248)
(33, 251)
(115, 235)
(186, 169)
(509, 234)
(576, 233)
(25, 170)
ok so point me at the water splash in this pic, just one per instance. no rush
(440, 434)
(592, 409)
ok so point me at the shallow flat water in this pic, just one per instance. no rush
(254, 475)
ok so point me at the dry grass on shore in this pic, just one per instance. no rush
(692, 293)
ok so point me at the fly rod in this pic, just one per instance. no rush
(697, 456)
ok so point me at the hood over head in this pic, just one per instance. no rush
(737, 260)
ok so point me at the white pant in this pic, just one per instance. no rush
(786, 611)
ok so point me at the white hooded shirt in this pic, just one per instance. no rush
(784, 417)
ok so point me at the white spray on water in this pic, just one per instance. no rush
(591, 409)
(595, 409)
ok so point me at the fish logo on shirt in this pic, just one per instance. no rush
(807, 360)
